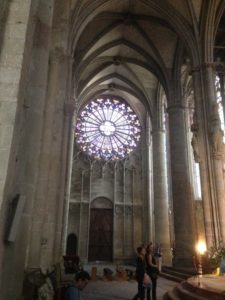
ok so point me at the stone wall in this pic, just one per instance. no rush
(119, 182)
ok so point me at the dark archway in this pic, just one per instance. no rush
(71, 245)
(101, 230)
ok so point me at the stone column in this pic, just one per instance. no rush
(217, 148)
(203, 153)
(211, 151)
(27, 38)
(13, 69)
(181, 188)
(161, 213)
(68, 154)
(60, 156)
(148, 168)
(62, 148)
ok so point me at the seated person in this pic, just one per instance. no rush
(81, 280)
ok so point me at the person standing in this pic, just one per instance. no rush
(152, 269)
(74, 292)
(158, 256)
(140, 272)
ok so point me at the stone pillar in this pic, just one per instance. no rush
(13, 32)
(148, 168)
(202, 154)
(60, 149)
(217, 148)
(41, 254)
(181, 188)
(68, 160)
(161, 213)
(26, 46)
(211, 151)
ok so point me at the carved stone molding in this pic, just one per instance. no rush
(128, 210)
(119, 210)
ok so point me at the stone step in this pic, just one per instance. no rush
(193, 289)
(202, 290)
(171, 277)
(176, 274)
(171, 295)
(187, 271)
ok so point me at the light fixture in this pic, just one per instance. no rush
(201, 249)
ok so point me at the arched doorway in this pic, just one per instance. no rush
(101, 230)
(71, 244)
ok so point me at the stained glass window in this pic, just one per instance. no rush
(220, 106)
(107, 128)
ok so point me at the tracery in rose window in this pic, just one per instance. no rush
(108, 128)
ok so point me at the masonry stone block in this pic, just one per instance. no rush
(16, 30)
(5, 135)
(7, 112)
(4, 158)
(9, 74)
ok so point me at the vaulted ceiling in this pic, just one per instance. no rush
(133, 48)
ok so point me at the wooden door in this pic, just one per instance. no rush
(100, 234)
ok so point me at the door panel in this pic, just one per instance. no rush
(100, 235)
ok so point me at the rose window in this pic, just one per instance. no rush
(107, 128)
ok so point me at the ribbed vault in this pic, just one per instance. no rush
(118, 48)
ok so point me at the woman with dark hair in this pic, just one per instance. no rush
(140, 273)
(152, 268)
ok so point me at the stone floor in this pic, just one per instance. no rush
(112, 290)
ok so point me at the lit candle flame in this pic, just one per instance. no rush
(201, 247)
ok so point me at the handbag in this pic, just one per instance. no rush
(147, 283)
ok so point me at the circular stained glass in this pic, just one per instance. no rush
(108, 128)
